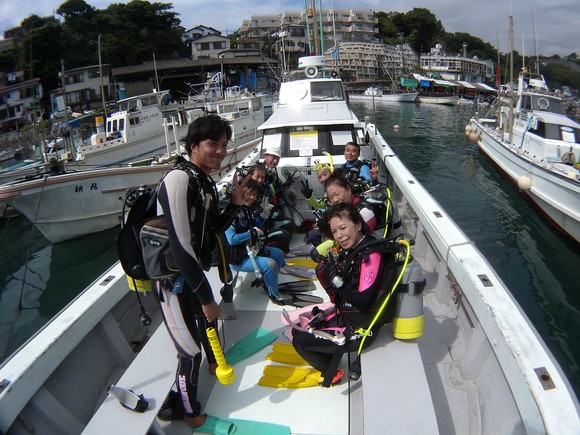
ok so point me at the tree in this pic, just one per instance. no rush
(453, 43)
(422, 29)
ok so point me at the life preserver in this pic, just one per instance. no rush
(311, 72)
(543, 103)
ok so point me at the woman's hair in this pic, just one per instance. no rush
(340, 180)
(254, 185)
(343, 211)
(206, 127)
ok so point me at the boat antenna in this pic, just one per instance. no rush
(535, 39)
(156, 77)
(321, 27)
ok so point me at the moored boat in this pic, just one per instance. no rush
(538, 148)
(376, 94)
(479, 367)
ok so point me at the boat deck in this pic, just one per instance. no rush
(394, 393)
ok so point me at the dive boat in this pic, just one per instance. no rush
(537, 147)
(478, 367)
(374, 93)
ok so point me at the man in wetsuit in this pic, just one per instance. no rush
(189, 202)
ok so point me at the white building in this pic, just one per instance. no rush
(19, 101)
(83, 87)
(456, 67)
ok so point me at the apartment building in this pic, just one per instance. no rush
(293, 34)
(363, 61)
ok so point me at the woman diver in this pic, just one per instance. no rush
(356, 277)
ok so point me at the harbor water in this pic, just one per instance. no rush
(535, 261)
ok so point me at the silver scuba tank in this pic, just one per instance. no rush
(409, 321)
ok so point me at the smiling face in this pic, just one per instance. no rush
(351, 152)
(323, 175)
(209, 153)
(271, 161)
(259, 176)
(345, 232)
(336, 193)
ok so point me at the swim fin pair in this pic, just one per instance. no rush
(294, 377)
(300, 286)
(300, 271)
(286, 354)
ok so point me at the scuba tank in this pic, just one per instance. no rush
(409, 321)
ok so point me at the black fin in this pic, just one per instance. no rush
(302, 300)
(296, 286)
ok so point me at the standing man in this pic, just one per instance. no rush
(189, 200)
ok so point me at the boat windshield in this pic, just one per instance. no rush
(557, 132)
(311, 140)
(545, 103)
(330, 90)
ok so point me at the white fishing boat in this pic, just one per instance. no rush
(437, 98)
(538, 147)
(136, 130)
(64, 206)
(374, 93)
(479, 367)
(73, 200)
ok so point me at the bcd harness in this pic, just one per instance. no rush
(387, 246)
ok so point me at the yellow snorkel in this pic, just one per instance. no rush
(318, 165)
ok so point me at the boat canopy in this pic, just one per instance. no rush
(466, 84)
(485, 87)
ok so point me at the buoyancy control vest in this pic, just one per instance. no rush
(349, 267)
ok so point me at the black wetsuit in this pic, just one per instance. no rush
(188, 200)
(356, 302)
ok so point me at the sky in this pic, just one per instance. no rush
(540, 27)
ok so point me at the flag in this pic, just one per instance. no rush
(335, 52)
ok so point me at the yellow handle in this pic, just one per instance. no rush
(224, 372)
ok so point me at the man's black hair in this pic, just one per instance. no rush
(206, 127)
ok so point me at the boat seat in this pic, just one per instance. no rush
(152, 374)
(399, 401)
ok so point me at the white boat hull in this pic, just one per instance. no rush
(78, 203)
(556, 195)
(449, 100)
(408, 97)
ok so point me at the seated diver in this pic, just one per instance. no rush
(265, 213)
(244, 234)
(355, 279)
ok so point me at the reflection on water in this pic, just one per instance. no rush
(535, 261)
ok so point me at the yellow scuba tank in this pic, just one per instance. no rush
(141, 285)
(409, 321)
